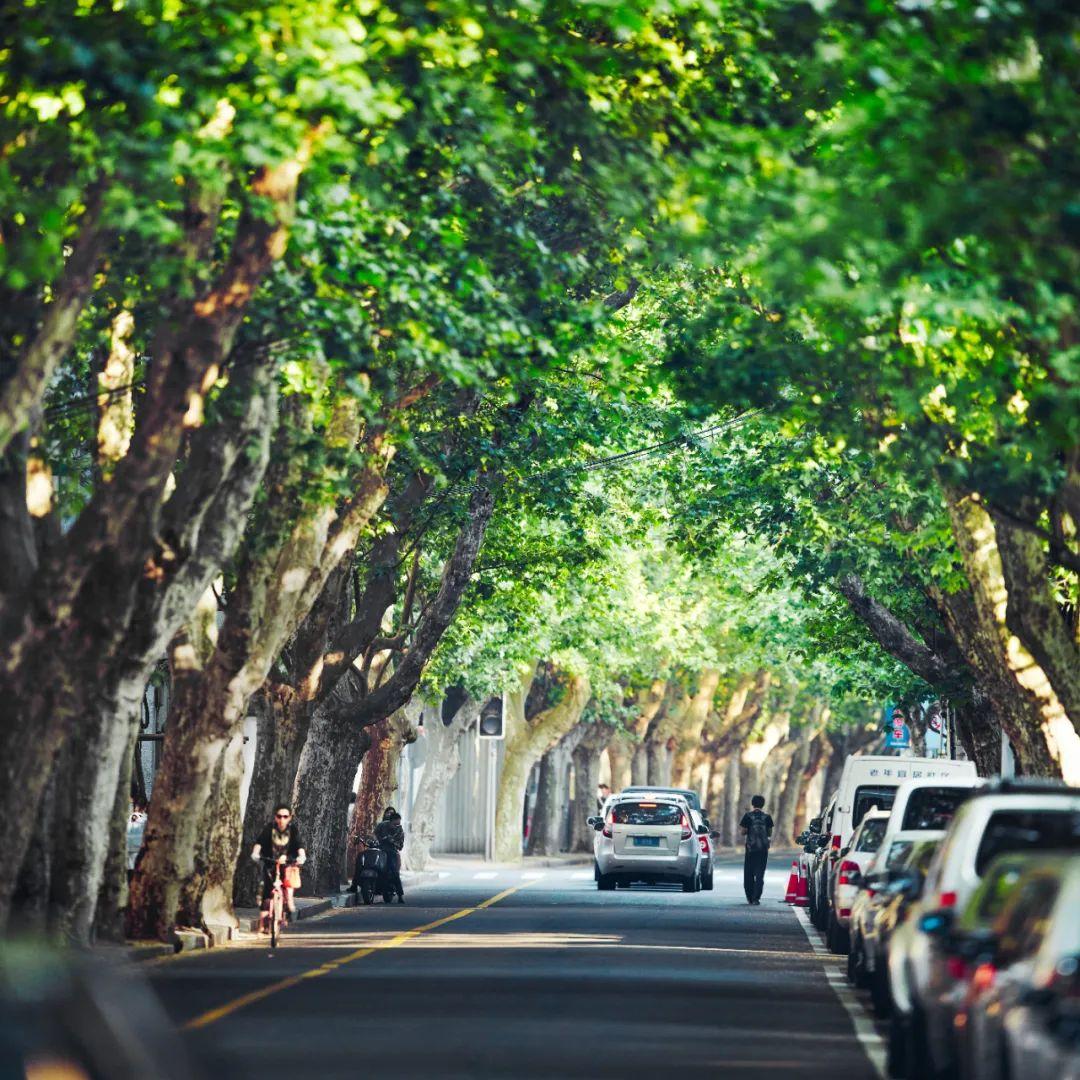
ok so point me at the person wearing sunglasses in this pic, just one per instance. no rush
(281, 842)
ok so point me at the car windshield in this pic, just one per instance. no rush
(1028, 830)
(873, 832)
(899, 850)
(933, 807)
(873, 797)
(646, 813)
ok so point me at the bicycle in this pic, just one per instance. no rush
(275, 913)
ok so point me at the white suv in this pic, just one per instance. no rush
(650, 838)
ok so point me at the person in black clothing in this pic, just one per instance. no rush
(757, 827)
(391, 838)
(280, 841)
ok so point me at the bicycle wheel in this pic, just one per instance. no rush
(275, 917)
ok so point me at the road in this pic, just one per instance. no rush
(524, 974)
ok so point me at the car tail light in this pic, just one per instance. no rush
(607, 825)
(848, 866)
(704, 842)
(947, 900)
(844, 912)
(956, 968)
(983, 978)
(685, 822)
(836, 842)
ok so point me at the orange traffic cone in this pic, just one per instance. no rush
(802, 891)
(792, 883)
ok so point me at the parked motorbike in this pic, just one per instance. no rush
(374, 878)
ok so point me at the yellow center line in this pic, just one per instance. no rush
(213, 1015)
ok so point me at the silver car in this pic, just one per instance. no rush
(649, 838)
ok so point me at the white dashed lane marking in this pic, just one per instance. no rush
(865, 1031)
(484, 875)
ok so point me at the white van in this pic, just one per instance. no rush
(870, 781)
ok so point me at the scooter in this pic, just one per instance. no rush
(373, 876)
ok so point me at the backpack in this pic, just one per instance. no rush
(757, 832)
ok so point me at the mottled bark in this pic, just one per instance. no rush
(1042, 734)
(332, 754)
(694, 718)
(553, 783)
(527, 737)
(804, 764)
(443, 749)
(1033, 614)
(805, 806)
(594, 740)
(118, 552)
(729, 832)
(978, 733)
(113, 894)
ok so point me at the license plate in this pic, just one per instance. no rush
(646, 841)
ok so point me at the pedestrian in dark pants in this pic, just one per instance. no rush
(757, 827)
(391, 838)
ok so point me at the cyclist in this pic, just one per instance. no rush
(281, 842)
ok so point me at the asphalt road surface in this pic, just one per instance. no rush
(525, 974)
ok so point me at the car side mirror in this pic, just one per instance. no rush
(937, 924)
(703, 830)
(592, 820)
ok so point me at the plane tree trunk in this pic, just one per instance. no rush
(527, 738)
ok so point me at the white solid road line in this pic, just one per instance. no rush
(865, 1031)
(484, 875)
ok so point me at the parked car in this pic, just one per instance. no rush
(705, 842)
(900, 892)
(648, 838)
(870, 782)
(970, 939)
(854, 859)
(1024, 1002)
(928, 805)
(1006, 817)
(819, 868)
(863, 953)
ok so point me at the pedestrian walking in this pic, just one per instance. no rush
(603, 793)
(757, 827)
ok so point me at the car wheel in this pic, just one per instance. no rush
(916, 1051)
(896, 1048)
(596, 871)
(836, 936)
(605, 882)
(861, 974)
(852, 958)
(622, 883)
(691, 884)
(707, 882)
(880, 996)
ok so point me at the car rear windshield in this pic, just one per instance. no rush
(933, 807)
(876, 796)
(1028, 830)
(872, 834)
(646, 813)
